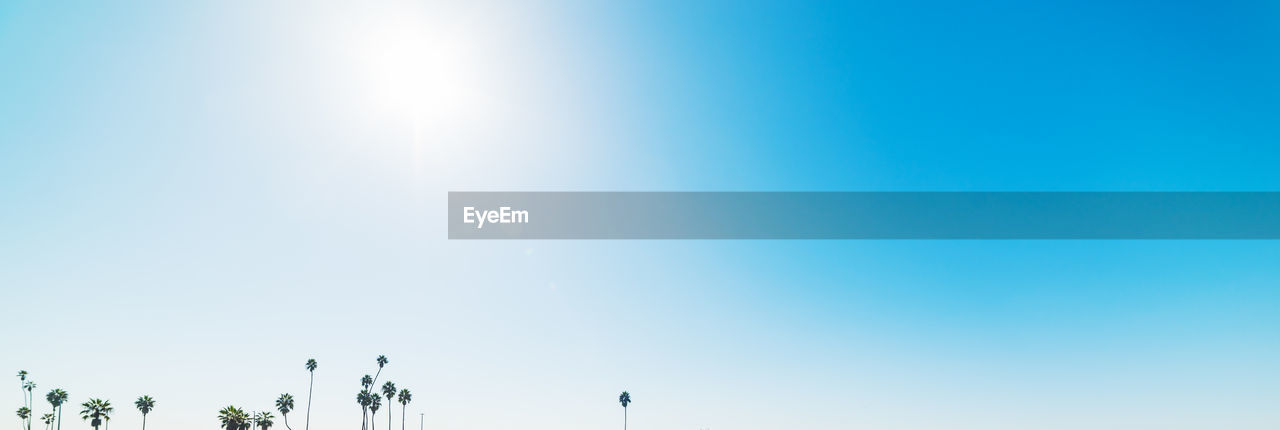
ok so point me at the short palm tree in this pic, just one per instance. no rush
(373, 410)
(233, 418)
(284, 404)
(311, 368)
(48, 420)
(389, 392)
(264, 420)
(24, 413)
(624, 399)
(96, 411)
(145, 404)
(404, 399)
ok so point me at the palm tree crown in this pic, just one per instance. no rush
(145, 404)
(233, 418)
(405, 397)
(264, 420)
(96, 410)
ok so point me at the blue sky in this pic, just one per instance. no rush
(197, 197)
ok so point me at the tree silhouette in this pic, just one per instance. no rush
(624, 399)
(145, 404)
(284, 404)
(311, 368)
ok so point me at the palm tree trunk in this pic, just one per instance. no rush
(286, 421)
(309, 387)
(402, 408)
(59, 417)
(144, 421)
(624, 418)
(389, 405)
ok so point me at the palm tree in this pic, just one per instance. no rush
(311, 368)
(145, 404)
(382, 361)
(61, 397)
(22, 383)
(29, 398)
(285, 404)
(373, 410)
(389, 392)
(48, 420)
(625, 399)
(96, 410)
(405, 398)
(26, 403)
(53, 399)
(233, 418)
(264, 420)
(364, 398)
(24, 414)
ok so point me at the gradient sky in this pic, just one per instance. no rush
(196, 197)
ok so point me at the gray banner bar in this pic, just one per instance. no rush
(864, 215)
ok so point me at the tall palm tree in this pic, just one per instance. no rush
(404, 398)
(264, 420)
(26, 403)
(389, 392)
(624, 399)
(285, 404)
(373, 410)
(22, 383)
(96, 411)
(61, 397)
(364, 398)
(382, 361)
(311, 368)
(233, 418)
(29, 398)
(145, 404)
